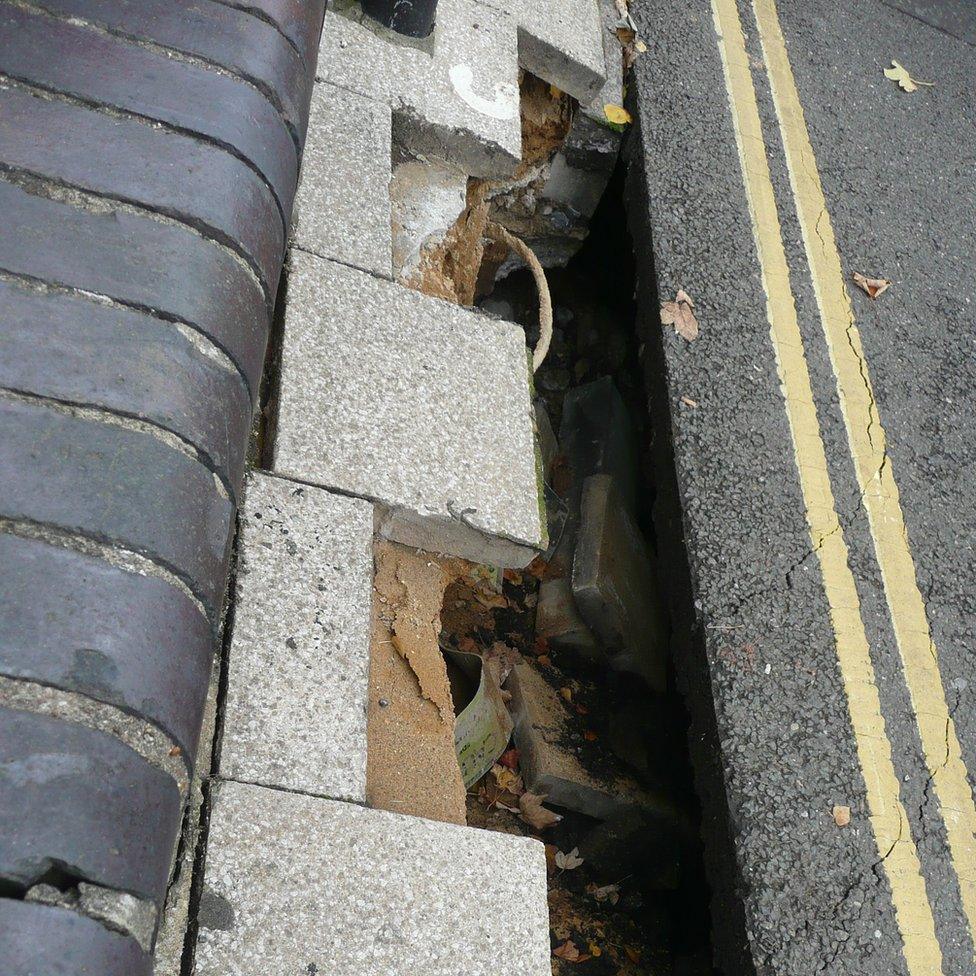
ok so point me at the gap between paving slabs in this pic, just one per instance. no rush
(626, 888)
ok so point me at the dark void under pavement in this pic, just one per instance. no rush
(662, 917)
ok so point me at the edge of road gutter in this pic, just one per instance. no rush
(687, 642)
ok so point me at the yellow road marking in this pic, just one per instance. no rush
(866, 438)
(886, 813)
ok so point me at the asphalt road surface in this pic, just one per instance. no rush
(820, 461)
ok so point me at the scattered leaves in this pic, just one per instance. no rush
(534, 813)
(872, 286)
(507, 779)
(570, 861)
(842, 815)
(680, 314)
(608, 893)
(899, 73)
(617, 115)
(567, 951)
(509, 758)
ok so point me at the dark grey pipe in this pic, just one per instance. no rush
(415, 18)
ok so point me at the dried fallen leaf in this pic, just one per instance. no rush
(609, 893)
(507, 779)
(906, 82)
(567, 693)
(509, 758)
(688, 402)
(625, 35)
(632, 954)
(872, 286)
(617, 114)
(570, 861)
(544, 660)
(594, 950)
(534, 813)
(567, 951)
(590, 735)
(680, 314)
(842, 815)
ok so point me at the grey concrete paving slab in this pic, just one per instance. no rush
(342, 209)
(68, 348)
(417, 404)
(780, 669)
(42, 939)
(454, 95)
(311, 885)
(297, 670)
(96, 67)
(117, 486)
(562, 42)
(81, 802)
(77, 623)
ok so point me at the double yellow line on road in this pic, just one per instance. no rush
(866, 441)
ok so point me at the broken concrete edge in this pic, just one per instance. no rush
(540, 466)
(118, 911)
(451, 537)
(687, 640)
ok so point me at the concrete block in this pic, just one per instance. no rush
(299, 884)
(417, 404)
(342, 208)
(562, 42)
(454, 95)
(295, 713)
(615, 586)
(549, 740)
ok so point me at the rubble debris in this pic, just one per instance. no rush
(614, 585)
(548, 739)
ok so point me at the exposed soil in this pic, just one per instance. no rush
(411, 762)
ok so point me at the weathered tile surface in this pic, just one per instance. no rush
(299, 884)
(418, 404)
(295, 712)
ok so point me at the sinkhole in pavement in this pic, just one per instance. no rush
(577, 643)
